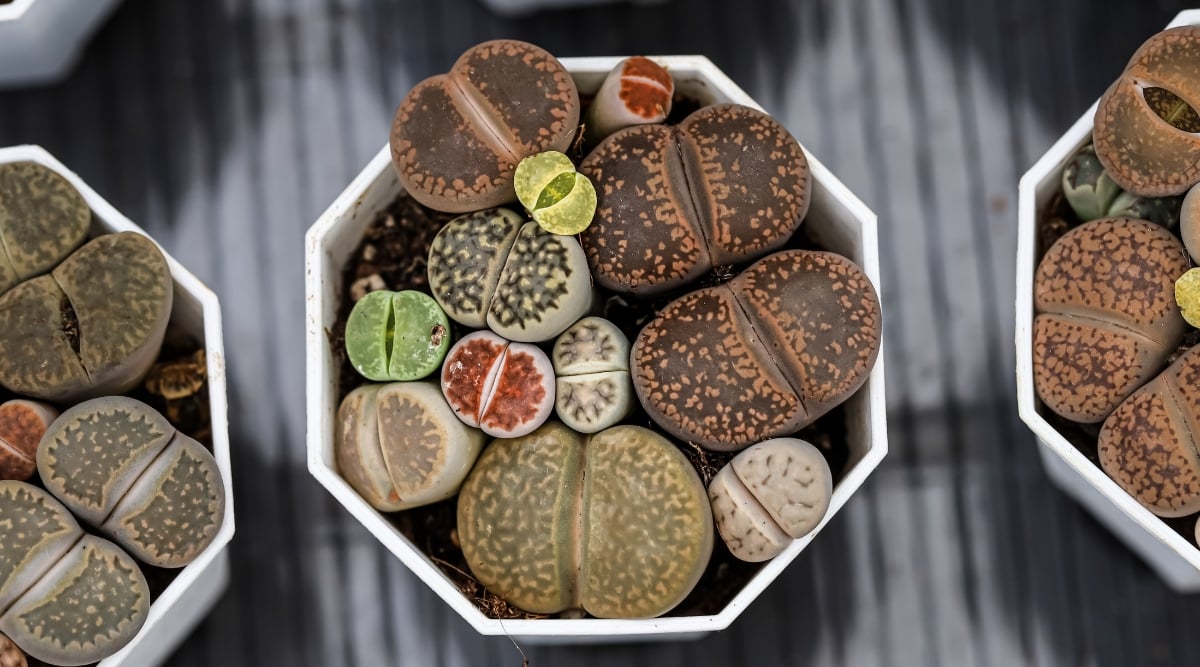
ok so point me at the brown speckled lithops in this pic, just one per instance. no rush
(120, 466)
(763, 355)
(457, 137)
(22, 425)
(616, 524)
(728, 185)
(10, 655)
(1106, 315)
(42, 219)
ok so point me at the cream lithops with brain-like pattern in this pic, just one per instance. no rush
(593, 387)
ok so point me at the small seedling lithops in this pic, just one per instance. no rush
(10, 655)
(768, 495)
(560, 199)
(22, 425)
(504, 388)
(637, 91)
(42, 219)
(457, 137)
(493, 269)
(616, 524)
(400, 445)
(1093, 194)
(593, 389)
(397, 336)
(121, 467)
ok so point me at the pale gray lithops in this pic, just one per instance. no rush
(593, 389)
(66, 597)
(400, 445)
(120, 466)
(504, 388)
(768, 495)
(42, 219)
(615, 524)
(493, 269)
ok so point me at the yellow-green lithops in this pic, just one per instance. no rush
(560, 199)
(397, 336)
(1187, 295)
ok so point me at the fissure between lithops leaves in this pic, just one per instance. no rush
(496, 134)
(687, 174)
(489, 383)
(557, 190)
(1171, 108)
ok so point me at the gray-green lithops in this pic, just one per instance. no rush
(493, 269)
(42, 219)
(121, 467)
(768, 495)
(616, 524)
(400, 445)
(593, 388)
(397, 336)
(1093, 194)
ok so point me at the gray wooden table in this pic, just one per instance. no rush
(226, 127)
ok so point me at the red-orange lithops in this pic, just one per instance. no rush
(504, 388)
(637, 91)
(22, 425)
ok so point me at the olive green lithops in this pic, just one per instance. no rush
(42, 219)
(616, 524)
(593, 389)
(397, 336)
(121, 467)
(22, 424)
(557, 197)
(400, 445)
(10, 655)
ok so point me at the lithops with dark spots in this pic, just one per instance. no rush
(726, 186)
(637, 91)
(66, 597)
(10, 655)
(560, 199)
(457, 137)
(504, 388)
(42, 219)
(493, 269)
(1106, 314)
(400, 445)
(93, 326)
(768, 495)
(593, 389)
(121, 467)
(761, 356)
(396, 335)
(22, 425)
(616, 524)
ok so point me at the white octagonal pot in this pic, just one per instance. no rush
(837, 221)
(41, 40)
(1172, 556)
(195, 589)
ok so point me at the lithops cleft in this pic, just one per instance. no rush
(397, 336)
(616, 524)
(560, 199)
(593, 389)
(761, 356)
(726, 186)
(42, 219)
(637, 91)
(504, 388)
(121, 467)
(457, 138)
(1106, 315)
(22, 425)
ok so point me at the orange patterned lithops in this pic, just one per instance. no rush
(22, 425)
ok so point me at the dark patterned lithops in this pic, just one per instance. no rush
(22, 425)
(66, 597)
(42, 219)
(120, 466)
(593, 389)
(504, 388)
(400, 445)
(761, 356)
(396, 335)
(457, 138)
(616, 524)
(1106, 318)
(93, 326)
(768, 495)
(493, 269)
(726, 186)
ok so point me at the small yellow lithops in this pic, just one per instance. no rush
(1187, 295)
(558, 198)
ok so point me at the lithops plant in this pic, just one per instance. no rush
(1092, 194)
(66, 597)
(1106, 315)
(768, 495)
(504, 388)
(593, 387)
(1187, 296)
(494, 269)
(121, 467)
(761, 356)
(1189, 223)
(10, 655)
(558, 198)
(457, 138)
(726, 186)
(638, 91)
(93, 326)
(401, 446)
(22, 425)
(43, 218)
(397, 335)
(616, 524)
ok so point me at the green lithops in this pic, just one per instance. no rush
(593, 388)
(616, 524)
(1093, 194)
(42, 219)
(121, 467)
(397, 336)
(1187, 296)
(560, 199)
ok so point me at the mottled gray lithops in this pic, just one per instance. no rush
(768, 495)
(593, 389)
(121, 467)
(493, 269)
(22, 425)
(400, 445)
(66, 597)
(42, 219)
(93, 326)
(616, 524)
(504, 388)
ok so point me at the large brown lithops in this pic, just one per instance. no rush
(457, 138)
(616, 524)
(121, 467)
(93, 326)
(66, 597)
(42, 219)
(726, 186)
(1106, 314)
(763, 355)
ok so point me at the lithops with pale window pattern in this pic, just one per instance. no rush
(43, 218)
(22, 425)
(504, 388)
(593, 389)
